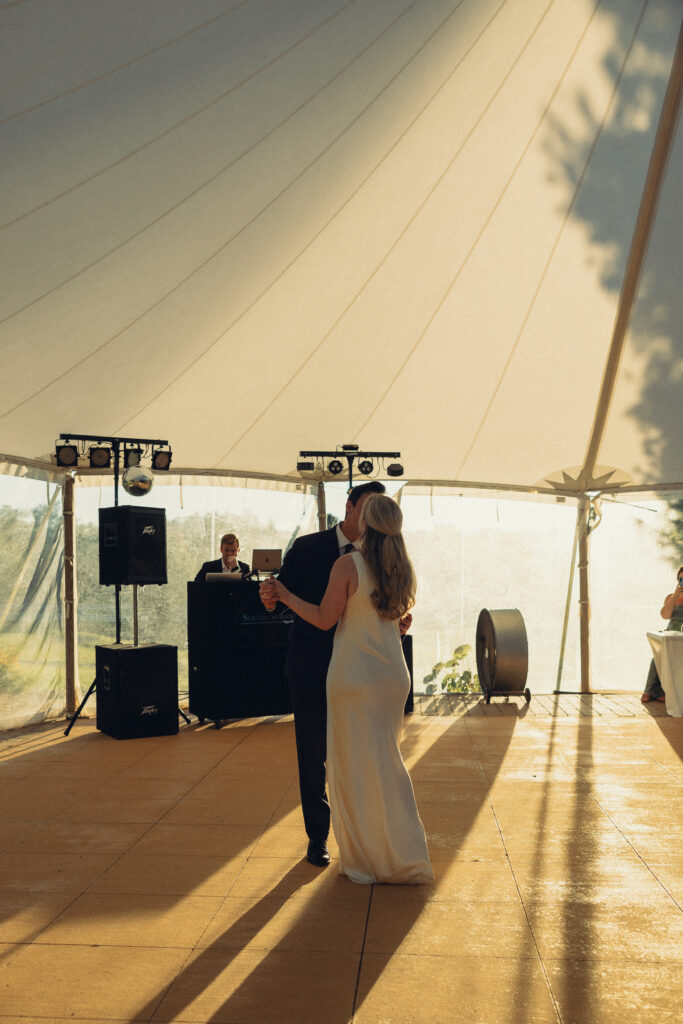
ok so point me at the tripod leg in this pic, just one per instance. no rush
(80, 707)
(183, 715)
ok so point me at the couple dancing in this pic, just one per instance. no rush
(349, 687)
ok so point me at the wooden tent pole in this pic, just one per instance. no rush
(584, 593)
(568, 604)
(70, 600)
(322, 508)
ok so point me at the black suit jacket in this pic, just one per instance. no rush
(306, 572)
(217, 566)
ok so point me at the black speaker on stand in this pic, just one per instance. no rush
(132, 545)
(502, 654)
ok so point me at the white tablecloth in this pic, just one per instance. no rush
(667, 650)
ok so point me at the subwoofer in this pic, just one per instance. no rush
(502, 653)
(132, 545)
(137, 690)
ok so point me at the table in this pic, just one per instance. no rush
(236, 652)
(667, 650)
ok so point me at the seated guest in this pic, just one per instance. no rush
(228, 562)
(672, 609)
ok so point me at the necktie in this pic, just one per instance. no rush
(347, 548)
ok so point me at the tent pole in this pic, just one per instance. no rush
(322, 509)
(567, 606)
(70, 599)
(634, 265)
(584, 594)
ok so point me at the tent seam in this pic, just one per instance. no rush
(174, 127)
(121, 67)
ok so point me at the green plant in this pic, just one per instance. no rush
(455, 680)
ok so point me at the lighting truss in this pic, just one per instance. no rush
(351, 453)
(104, 451)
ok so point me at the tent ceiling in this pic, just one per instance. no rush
(254, 227)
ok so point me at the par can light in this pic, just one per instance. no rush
(132, 457)
(100, 457)
(161, 459)
(365, 467)
(67, 454)
(334, 467)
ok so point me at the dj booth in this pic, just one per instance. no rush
(237, 651)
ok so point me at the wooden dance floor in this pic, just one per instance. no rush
(163, 879)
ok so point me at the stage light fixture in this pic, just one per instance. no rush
(67, 454)
(334, 467)
(161, 459)
(365, 467)
(305, 467)
(395, 469)
(100, 457)
(132, 457)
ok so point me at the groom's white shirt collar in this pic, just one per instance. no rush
(343, 540)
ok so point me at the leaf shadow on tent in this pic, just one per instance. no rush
(653, 354)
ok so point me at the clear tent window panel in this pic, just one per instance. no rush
(32, 673)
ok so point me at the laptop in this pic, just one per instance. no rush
(266, 560)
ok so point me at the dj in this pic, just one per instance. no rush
(228, 562)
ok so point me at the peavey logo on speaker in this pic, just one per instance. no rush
(150, 709)
(149, 530)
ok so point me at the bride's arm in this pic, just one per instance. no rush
(343, 583)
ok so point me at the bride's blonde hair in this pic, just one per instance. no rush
(384, 551)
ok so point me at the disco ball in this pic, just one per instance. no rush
(137, 481)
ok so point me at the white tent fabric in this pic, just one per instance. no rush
(254, 227)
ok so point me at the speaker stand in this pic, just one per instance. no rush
(91, 688)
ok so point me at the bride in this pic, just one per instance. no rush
(374, 816)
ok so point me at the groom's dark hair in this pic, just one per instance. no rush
(373, 487)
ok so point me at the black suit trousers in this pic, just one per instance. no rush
(306, 572)
(309, 705)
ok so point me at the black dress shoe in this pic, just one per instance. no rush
(318, 854)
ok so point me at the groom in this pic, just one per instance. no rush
(306, 572)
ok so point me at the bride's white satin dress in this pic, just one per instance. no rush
(374, 815)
